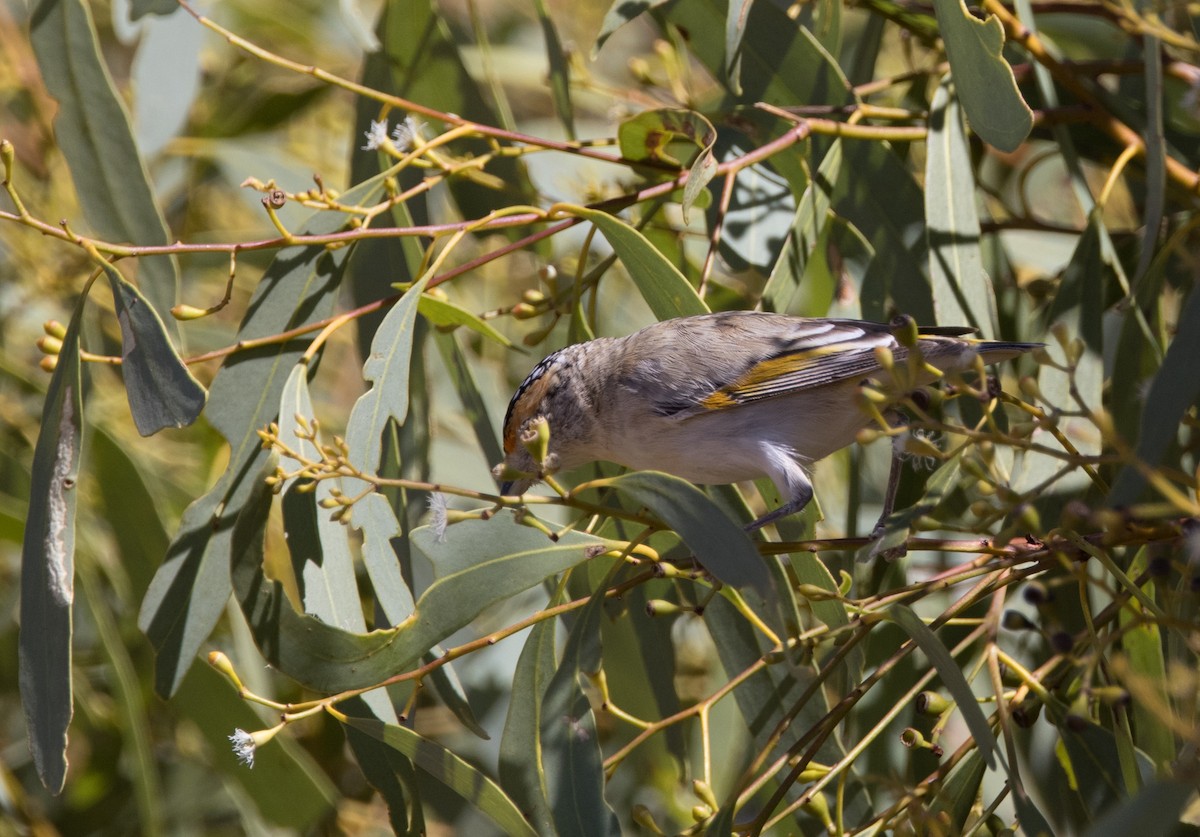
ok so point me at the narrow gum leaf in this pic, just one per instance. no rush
(985, 82)
(48, 567)
(162, 391)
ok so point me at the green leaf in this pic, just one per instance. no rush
(129, 701)
(48, 565)
(781, 63)
(444, 313)
(786, 286)
(735, 29)
(523, 771)
(387, 368)
(958, 794)
(1156, 809)
(449, 769)
(962, 294)
(567, 738)
(319, 546)
(721, 546)
(189, 592)
(560, 69)
(1090, 752)
(1174, 389)
(388, 771)
(1142, 641)
(620, 13)
(952, 678)
(128, 504)
(675, 137)
(93, 129)
(162, 391)
(984, 79)
(473, 404)
(373, 515)
(663, 287)
(878, 196)
(476, 565)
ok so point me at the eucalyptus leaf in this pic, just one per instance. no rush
(620, 13)
(162, 391)
(476, 565)
(721, 546)
(785, 286)
(567, 737)
(189, 591)
(319, 546)
(1173, 390)
(962, 294)
(952, 678)
(94, 132)
(984, 79)
(451, 770)
(387, 368)
(960, 791)
(373, 515)
(661, 284)
(780, 63)
(48, 566)
(444, 313)
(522, 764)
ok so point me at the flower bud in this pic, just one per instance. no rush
(54, 328)
(703, 790)
(524, 311)
(49, 345)
(662, 607)
(184, 313)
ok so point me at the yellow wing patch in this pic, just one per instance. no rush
(769, 377)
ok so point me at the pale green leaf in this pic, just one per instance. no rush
(476, 565)
(962, 294)
(387, 368)
(568, 740)
(189, 592)
(985, 82)
(319, 546)
(952, 678)
(522, 765)
(48, 566)
(162, 391)
(442, 312)
(661, 284)
(452, 771)
(721, 546)
(94, 133)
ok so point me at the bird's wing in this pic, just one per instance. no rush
(815, 353)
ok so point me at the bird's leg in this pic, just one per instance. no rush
(801, 493)
(889, 497)
(894, 419)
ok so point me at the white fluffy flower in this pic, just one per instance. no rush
(376, 135)
(243, 746)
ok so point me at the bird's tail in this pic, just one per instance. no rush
(996, 351)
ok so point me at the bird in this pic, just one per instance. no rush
(723, 398)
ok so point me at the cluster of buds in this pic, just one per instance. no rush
(51, 343)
